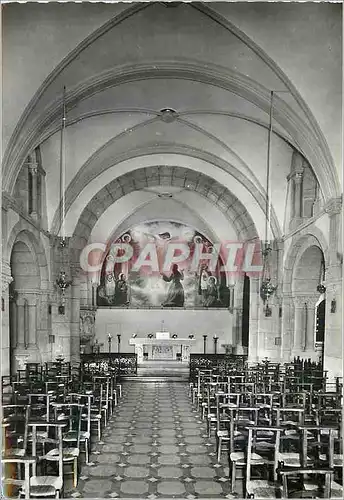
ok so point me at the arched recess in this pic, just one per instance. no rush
(32, 241)
(298, 246)
(307, 274)
(308, 271)
(26, 295)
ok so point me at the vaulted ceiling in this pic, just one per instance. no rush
(185, 88)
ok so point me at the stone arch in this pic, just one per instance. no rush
(312, 143)
(299, 244)
(307, 270)
(34, 244)
(183, 178)
(91, 170)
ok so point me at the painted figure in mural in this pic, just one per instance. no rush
(175, 294)
(102, 298)
(121, 291)
(212, 293)
(203, 282)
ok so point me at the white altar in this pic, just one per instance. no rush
(162, 348)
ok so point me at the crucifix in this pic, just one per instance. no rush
(162, 325)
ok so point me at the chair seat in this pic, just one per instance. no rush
(17, 452)
(337, 459)
(260, 488)
(263, 434)
(240, 458)
(39, 434)
(291, 459)
(53, 481)
(265, 445)
(94, 418)
(68, 454)
(44, 486)
(223, 434)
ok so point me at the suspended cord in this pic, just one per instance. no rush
(268, 168)
(62, 166)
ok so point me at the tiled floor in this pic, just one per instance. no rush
(155, 446)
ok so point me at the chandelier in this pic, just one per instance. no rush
(62, 281)
(267, 288)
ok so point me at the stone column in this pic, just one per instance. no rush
(298, 194)
(89, 292)
(21, 340)
(32, 326)
(34, 192)
(299, 340)
(6, 279)
(253, 342)
(333, 348)
(310, 334)
(287, 333)
(75, 319)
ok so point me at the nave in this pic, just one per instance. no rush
(259, 431)
(156, 445)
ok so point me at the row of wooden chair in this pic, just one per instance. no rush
(46, 431)
(271, 431)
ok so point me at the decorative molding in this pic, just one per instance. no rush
(87, 325)
(334, 206)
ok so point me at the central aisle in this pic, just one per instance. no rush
(155, 446)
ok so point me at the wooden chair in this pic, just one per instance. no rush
(44, 486)
(70, 414)
(14, 481)
(267, 448)
(321, 484)
(85, 431)
(239, 421)
(17, 418)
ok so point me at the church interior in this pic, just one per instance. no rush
(172, 250)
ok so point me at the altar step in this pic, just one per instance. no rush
(144, 379)
(157, 370)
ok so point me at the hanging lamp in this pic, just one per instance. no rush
(267, 288)
(62, 281)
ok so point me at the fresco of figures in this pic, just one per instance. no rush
(150, 284)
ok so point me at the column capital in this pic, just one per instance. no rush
(312, 300)
(334, 206)
(298, 176)
(299, 300)
(33, 168)
(6, 277)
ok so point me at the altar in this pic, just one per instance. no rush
(162, 348)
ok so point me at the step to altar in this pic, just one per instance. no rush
(164, 369)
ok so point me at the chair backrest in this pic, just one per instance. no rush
(17, 418)
(303, 472)
(271, 436)
(85, 401)
(56, 428)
